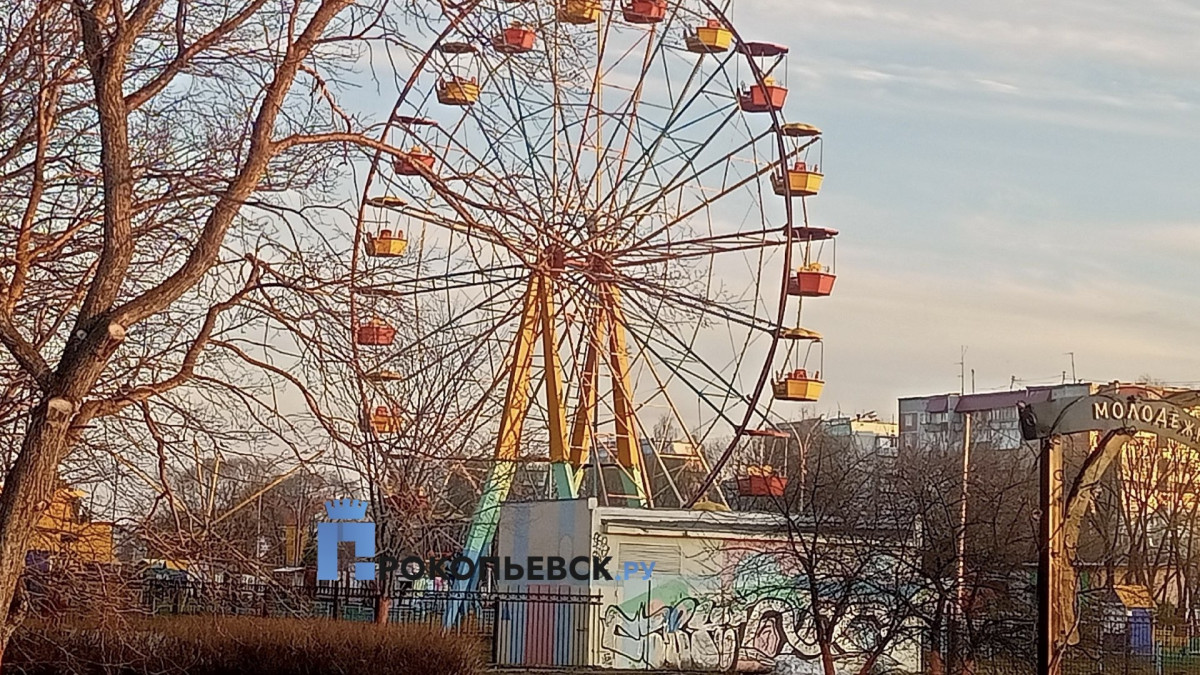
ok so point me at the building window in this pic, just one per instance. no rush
(885, 446)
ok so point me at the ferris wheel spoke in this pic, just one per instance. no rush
(444, 282)
(728, 190)
(647, 160)
(691, 367)
(623, 117)
(497, 128)
(682, 178)
(480, 310)
(674, 296)
(532, 146)
(673, 251)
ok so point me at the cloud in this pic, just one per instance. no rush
(1152, 32)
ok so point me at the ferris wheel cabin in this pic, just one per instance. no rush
(516, 39)
(460, 91)
(761, 481)
(579, 12)
(814, 280)
(375, 333)
(386, 245)
(644, 11)
(798, 385)
(409, 163)
(767, 95)
(709, 38)
(384, 421)
(802, 181)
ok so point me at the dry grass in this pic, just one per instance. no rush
(238, 646)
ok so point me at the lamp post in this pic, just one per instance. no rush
(1050, 517)
(1050, 509)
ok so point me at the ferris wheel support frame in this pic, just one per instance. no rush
(566, 460)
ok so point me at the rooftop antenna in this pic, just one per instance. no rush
(1073, 378)
(972, 380)
(962, 371)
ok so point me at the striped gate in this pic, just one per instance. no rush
(544, 626)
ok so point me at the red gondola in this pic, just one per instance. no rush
(375, 333)
(761, 482)
(813, 281)
(407, 164)
(516, 39)
(766, 95)
(644, 11)
(384, 421)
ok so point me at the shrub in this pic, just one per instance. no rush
(237, 646)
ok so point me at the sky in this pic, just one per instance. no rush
(1016, 178)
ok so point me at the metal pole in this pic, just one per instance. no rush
(1050, 540)
(1044, 644)
(960, 604)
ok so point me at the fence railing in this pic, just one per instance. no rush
(544, 626)
(334, 600)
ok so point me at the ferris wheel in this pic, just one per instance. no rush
(606, 199)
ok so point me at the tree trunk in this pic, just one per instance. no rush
(31, 482)
(827, 658)
(869, 664)
(935, 662)
(26, 495)
(383, 605)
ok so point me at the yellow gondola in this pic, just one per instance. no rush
(802, 181)
(461, 91)
(579, 12)
(386, 245)
(712, 37)
(798, 385)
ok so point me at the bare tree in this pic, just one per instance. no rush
(161, 162)
(853, 552)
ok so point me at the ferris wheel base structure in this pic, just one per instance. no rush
(568, 455)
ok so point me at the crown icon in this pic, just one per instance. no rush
(346, 509)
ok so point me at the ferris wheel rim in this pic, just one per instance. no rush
(787, 229)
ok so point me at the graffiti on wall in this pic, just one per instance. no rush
(701, 634)
(753, 619)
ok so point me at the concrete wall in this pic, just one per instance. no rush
(724, 592)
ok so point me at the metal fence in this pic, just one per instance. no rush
(1133, 645)
(333, 600)
(543, 626)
